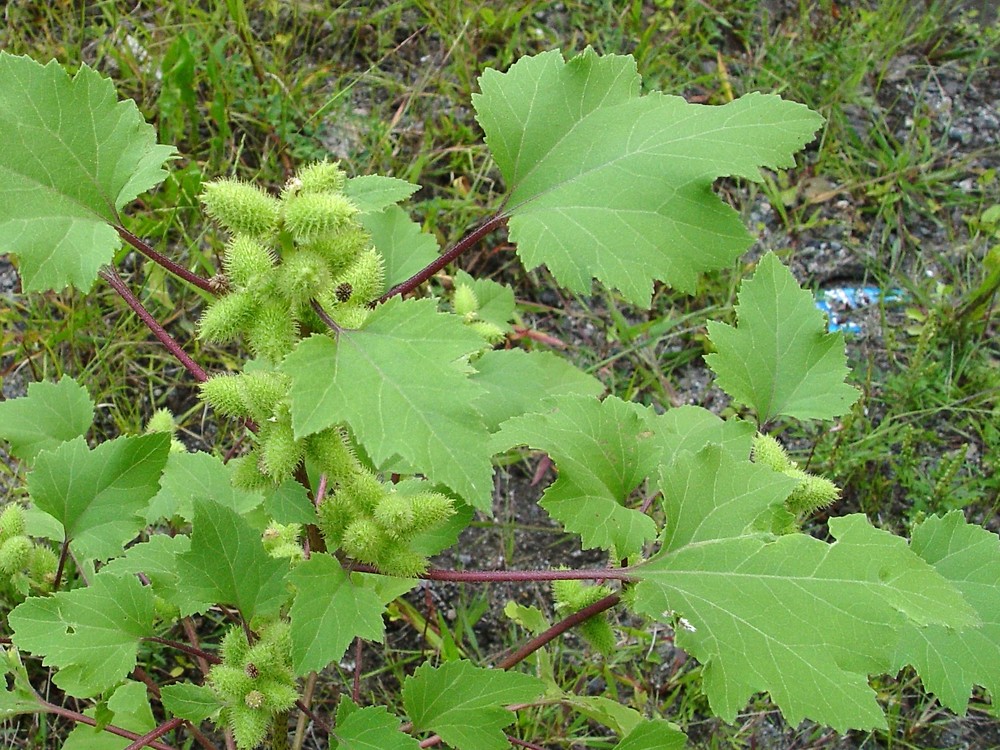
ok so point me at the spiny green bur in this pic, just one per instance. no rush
(572, 596)
(254, 682)
(811, 493)
(375, 524)
(24, 565)
(314, 230)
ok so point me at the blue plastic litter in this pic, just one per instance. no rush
(840, 302)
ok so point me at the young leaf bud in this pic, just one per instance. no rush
(302, 276)
(272, 333)
(241, 207)
(11, 521)
(309, 216)
(394, 515)
(366, 275)
(226, 317)
(322, 177)
(14, 554)
(246, 260)
(280, 452)
(768, 452)
(465, 300)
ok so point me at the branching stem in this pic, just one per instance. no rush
(161, 260)
(76, 716)
(463, 245)
(111, 276)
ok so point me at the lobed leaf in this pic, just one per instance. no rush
(465, 704)
(49, 415)
(227, 563)
(192, 702)
(374, 192)
(99, 495)
(519, 382)
(73, 156)
(328, 612)
(779, 359)
(90, 635)
(404, 247)
(603, 450)
(804, 620)
(950, 662)
(605, 183)
(368, 728)
(129, 709)
(402, 385)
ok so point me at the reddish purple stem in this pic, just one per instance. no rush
(111, 276)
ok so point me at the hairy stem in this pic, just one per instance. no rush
(161, 260)
(72, 715)
(190, 650)
(558, 629)
(111, 276)
(147, 739)
(463, 245)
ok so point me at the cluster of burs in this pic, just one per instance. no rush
(284, 255)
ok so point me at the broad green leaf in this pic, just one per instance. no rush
(496, 301)
(465, 704)
(691, 428)
(17, 697)
(129, 708)
(779, 359)
(157, 560)
(192, 702)
(369, 728)
(603, 450)
(90, 635)
(531, 619)
(49, 415)
(227, 563)
(73, 156)
(373, 192)
(404, 247)
(99, 495)
(804, 620)
(329, 610)
(189, 476)
(517, 382)
(711, 495)
(654, 734)
(402, 385)
(611, 713)
(290, 503)
(605, 183)
(950, 662)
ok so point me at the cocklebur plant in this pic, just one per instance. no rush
(373, 416)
